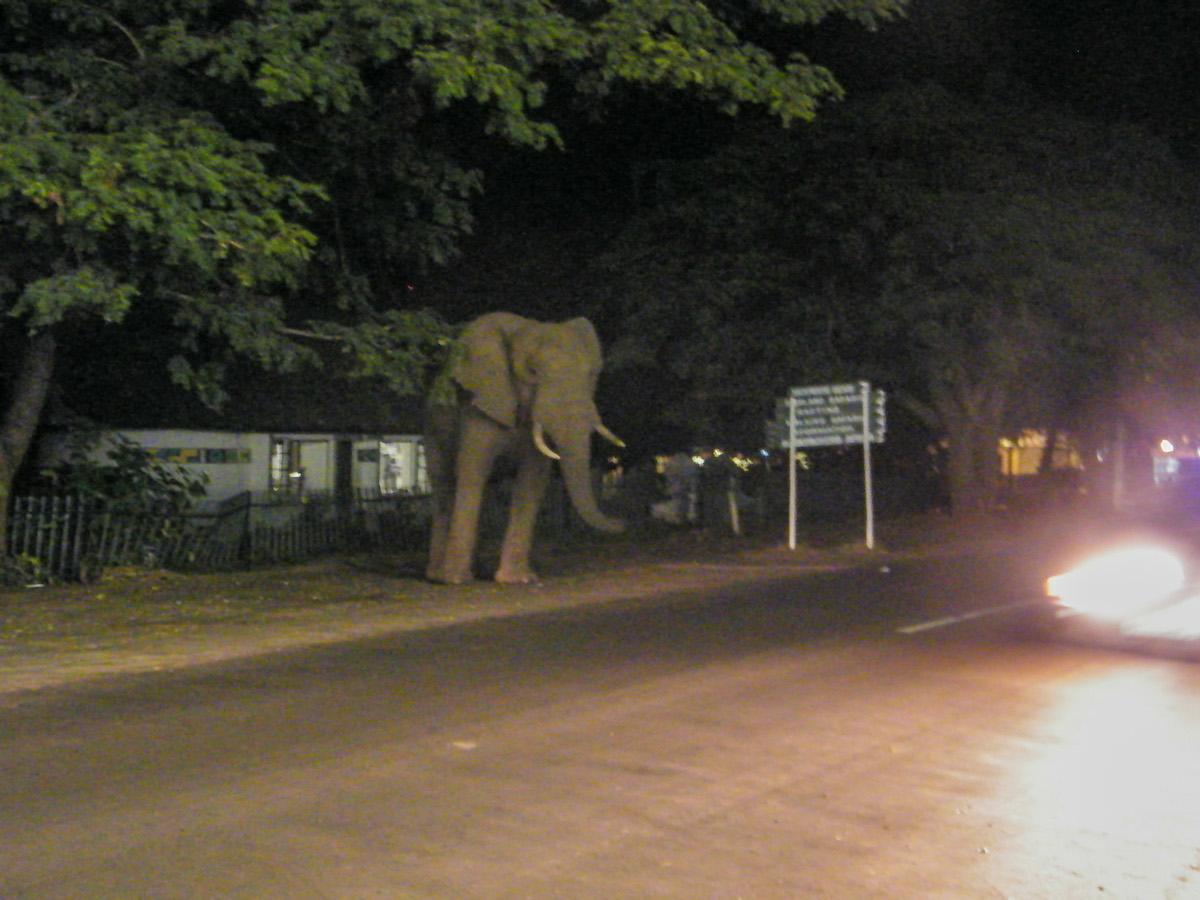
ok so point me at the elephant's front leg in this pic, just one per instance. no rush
(439, 468)
(533, 472)
(477, 451)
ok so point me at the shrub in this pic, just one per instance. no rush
(133, 480)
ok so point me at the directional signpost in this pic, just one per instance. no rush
(829, 415)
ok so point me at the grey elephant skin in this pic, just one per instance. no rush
(520, 386)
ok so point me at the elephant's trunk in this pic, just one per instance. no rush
(574, 461)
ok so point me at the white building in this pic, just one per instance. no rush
(292, 464)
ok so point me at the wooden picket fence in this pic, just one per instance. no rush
(73, 538)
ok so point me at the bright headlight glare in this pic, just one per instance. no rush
(1120, 582)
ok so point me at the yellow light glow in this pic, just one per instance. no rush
(1166, 446)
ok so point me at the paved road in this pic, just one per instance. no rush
(769, 741)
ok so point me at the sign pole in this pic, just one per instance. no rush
(867, 486)
(790, 444)
(828, 415)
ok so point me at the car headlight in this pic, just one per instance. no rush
(1119, 583)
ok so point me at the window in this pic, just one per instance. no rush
(401, 466)
(287, 472)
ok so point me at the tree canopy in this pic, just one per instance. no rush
(995, 266)
(231, 171)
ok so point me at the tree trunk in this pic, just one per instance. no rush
(966, 493)
(971, 414)
(30, 386)
(1046, 461)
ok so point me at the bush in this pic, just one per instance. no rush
(21, 571)
(133, 480)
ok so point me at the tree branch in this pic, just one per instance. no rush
(116, 23)
(311, 335)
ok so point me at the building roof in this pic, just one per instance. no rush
(309, 401)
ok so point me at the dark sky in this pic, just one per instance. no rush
(1120, 60)
(1133, 60)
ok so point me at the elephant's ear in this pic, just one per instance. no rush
(587, 334)
(481, 365)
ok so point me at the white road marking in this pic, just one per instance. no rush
(942, 622)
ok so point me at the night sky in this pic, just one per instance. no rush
(1115, 61)
(1131, 61)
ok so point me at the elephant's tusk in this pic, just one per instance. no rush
(603, 431)
(539, 441)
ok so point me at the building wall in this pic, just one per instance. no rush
(234, 462)
(1023, 456)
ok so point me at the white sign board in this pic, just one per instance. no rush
(829, 419)
(829, 415)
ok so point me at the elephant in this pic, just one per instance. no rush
(517, 384)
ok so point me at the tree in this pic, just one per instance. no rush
(994, 265)
(231, 169)
(717, 308)
(1037, 259)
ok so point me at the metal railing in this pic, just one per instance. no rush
(74, 538)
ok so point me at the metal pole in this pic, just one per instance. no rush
(790, 443)
(867, 486)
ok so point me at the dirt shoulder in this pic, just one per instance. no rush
(142, 621)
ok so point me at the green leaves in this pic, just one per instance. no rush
(398, 347)
(189, 191)
(220, 171)
(47, 301)
(502, 55)
(131, 480)
(193, 157)
(159, 123)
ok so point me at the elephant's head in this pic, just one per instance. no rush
(540, 376)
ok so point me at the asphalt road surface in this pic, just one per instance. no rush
(782, 740)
